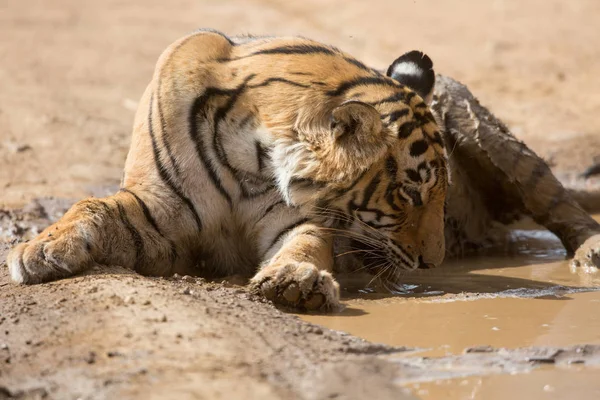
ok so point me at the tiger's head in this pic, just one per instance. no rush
(378, 169)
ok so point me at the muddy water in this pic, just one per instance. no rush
(544, 383)
(527, 297)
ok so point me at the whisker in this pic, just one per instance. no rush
(355, 251)
(387, 267)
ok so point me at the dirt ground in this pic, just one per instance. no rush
(71, 73)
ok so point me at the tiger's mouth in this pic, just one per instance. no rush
(384, 260)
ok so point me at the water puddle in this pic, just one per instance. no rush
(544, 383)
(530, 297)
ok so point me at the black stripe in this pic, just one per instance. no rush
(300, 73)
(414, 195)
(294, 49)
(390, 196)
(306, 49)
(195, 136)
(138, 242)
(391, 166)
(220, 115)
(163, 173)
(163, 126)
(152, 221)
(248, 119)
(413, 175)
(288, 50)
(352, 207)
(270, 208)
(284, 231)
(437, 138)
(360, 65)
(145, 210)
(361, 81)
(318, 83)
(337, 193)
(370, 189)
(396, 115)
(423, 118)
(376, 225)
(260, 155)
(267, 82)
(394, 98)
(406, 129)
(306, 182)
(209, 30)
(418, 147)
(403, 253)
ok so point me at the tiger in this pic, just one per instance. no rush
(257, 156)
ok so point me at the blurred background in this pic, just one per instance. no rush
(72, 71)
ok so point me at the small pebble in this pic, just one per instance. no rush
(90, 358)
(548, 388)
(187, 290)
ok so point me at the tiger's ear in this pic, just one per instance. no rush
(415, 70)
(355, 121)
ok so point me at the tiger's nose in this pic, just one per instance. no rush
(424, 265)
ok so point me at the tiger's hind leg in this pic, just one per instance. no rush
(117, 230)
(512, 178)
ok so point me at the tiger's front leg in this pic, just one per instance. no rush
(299, 273)
(117, 230)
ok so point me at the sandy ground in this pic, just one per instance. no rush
(71, 73)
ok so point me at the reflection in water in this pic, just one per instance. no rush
(529, 298)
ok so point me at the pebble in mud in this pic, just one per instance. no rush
(90, 358)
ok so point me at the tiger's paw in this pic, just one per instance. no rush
(587, 255)
(297, 284)
(55, 253)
